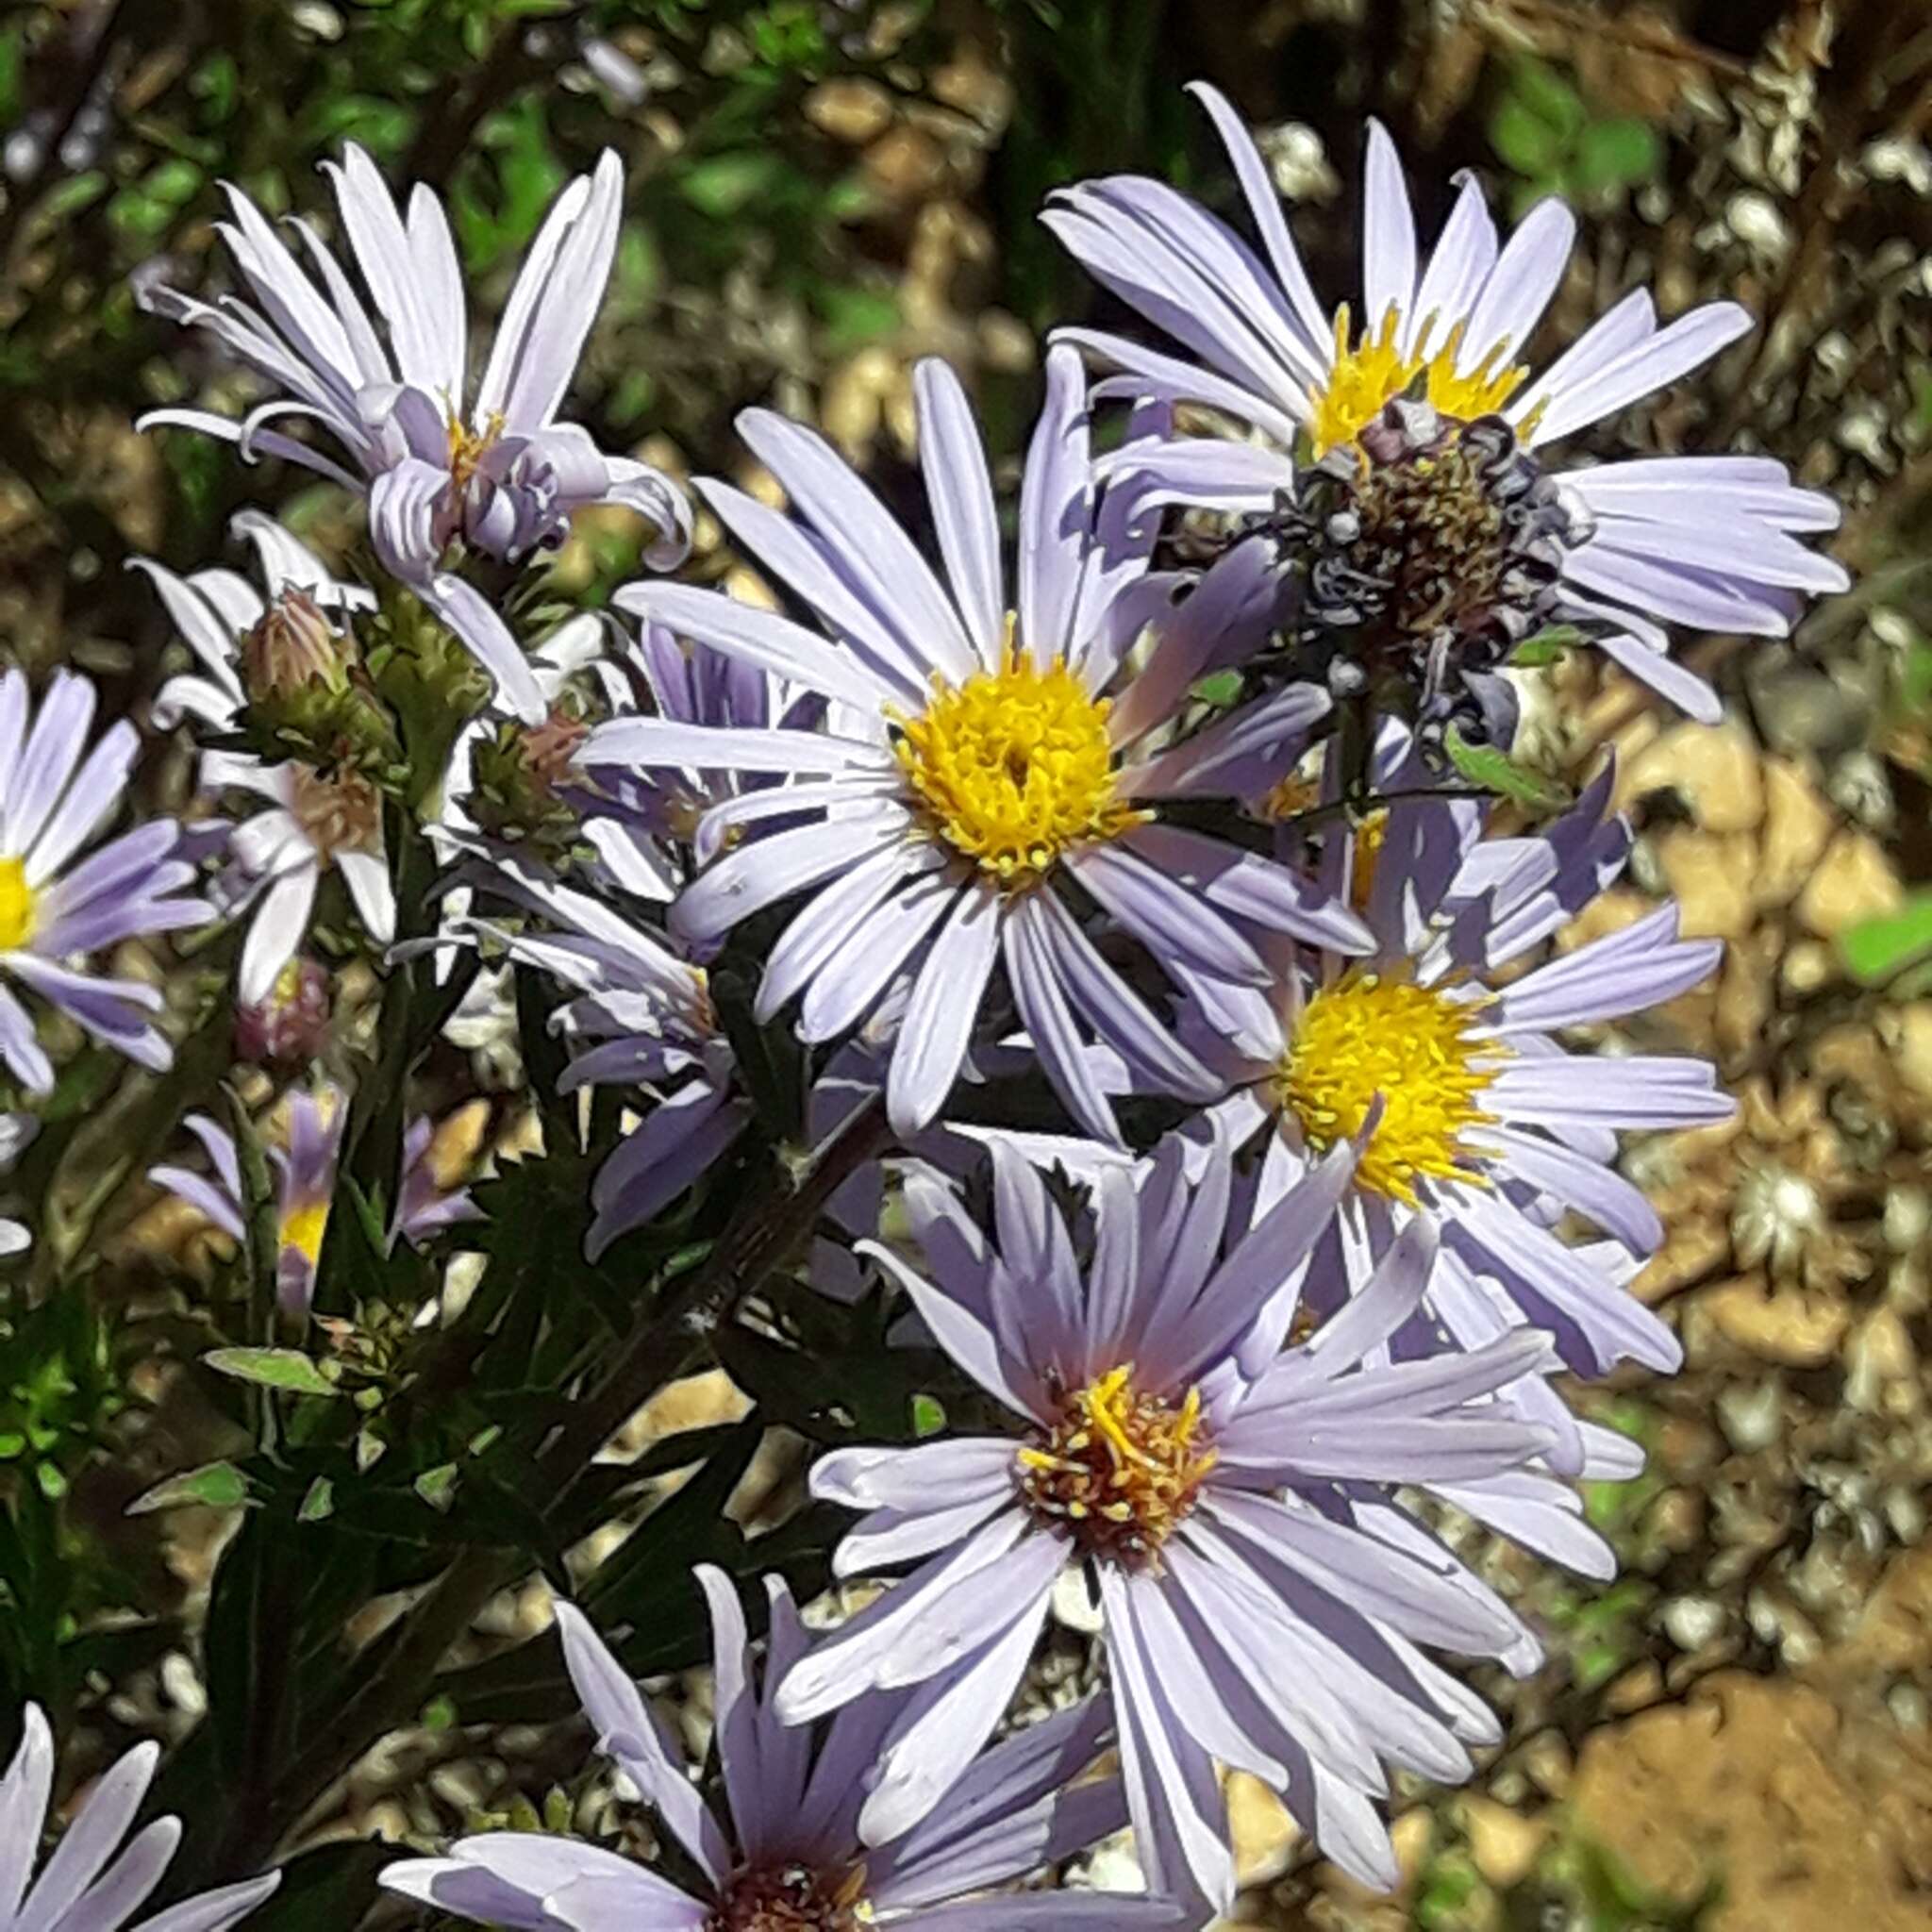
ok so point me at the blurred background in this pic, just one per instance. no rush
(1737, 1734)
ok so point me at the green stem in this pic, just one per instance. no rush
(776, 1218)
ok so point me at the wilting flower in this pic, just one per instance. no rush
(306, 1168)
(84, 1887)
(251, 644)
(786, 1855)
(1488, 1125)
(1436, 535)
(17, 1132)
(53, 800)
(1264, 1592)
(978, 760)
(502, 475)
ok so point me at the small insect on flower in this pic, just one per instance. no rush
(502, 474)
(54, 796)
(991, 770)
(1232, 1503)
(787, 1855)
(92, 1882)
(1401, 461)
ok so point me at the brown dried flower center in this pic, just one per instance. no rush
(794, 1898)
(1120, 1469)
(1432, 529)
(342, 813)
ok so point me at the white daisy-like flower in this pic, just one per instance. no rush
(977, 769)
(501, 474)
(317, 821)
(55, 912)
(1707, 541)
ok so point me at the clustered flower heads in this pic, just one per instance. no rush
(1199, 1040)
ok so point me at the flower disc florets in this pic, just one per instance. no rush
(792, 1899)
(19, 904)
(341, 813)
(1431, 547)
(1417, 1049)
(1013, 767)
(1121, 1469)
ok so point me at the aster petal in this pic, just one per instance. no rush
(1640, 371)
(882, 558)
(952, 456)
(768, 870)
(1388, 234)
(940, 1733)
(275, 933)
(872, 953)
(1520, 287)
(629, 1733)
(1264, 205)
(939, 1017)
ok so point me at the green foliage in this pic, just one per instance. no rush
(1544, 131)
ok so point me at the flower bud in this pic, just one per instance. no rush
(294, 647)
(290, 1026)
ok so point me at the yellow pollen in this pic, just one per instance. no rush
(1120, 1469)
(18, 911)
(303, 1228)
(468, 447)
(1368, 1035)
(1367, 378)
(1013, 767)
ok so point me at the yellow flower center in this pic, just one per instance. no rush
(468, 447)
(1120, 1469)
(18, 913)
(1370, 1035)
(1367, 378)
(303, 1228)
(1013, 767)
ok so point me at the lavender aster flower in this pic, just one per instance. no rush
(502, 475)
(1265, 1596)
(289, 633)
(53, 800)
(1453, 496)
(787, 1857)
(84, 1886)
(307, 1170)
(978, 761)
(306, 1167)
(1488, 1124)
